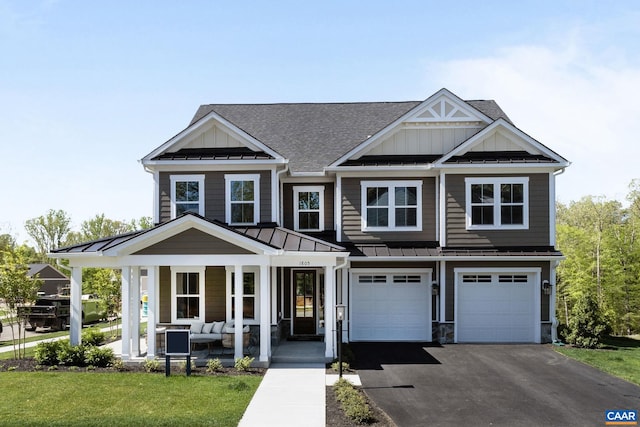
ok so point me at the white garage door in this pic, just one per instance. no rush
(498, 307)
(391, 307)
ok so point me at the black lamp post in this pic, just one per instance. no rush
(339, 318)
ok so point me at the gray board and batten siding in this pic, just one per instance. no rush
(214, 188)
(536, 235)
(352, 215)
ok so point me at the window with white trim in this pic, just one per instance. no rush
(391, 205)
(242, 199)
(250, 294)
(497, 203)
(187, 294)
(308, 207)
(187, 194)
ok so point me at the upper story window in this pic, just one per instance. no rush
(187, 194)
(308, 208)
(242, 197)
(497, 203)
(391, 205)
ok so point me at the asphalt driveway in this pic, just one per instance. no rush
(487, 385)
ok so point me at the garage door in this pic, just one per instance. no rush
(391, 307)
(497, 307)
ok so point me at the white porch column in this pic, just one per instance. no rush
(135, 311)
(75, 320)
(238, 291)
(265, 315)
(274, 294)
(126, 313)
(552, 302)
(152, 278)
(329, 311)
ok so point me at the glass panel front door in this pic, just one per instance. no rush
(304, 292)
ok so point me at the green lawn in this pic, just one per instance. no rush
(123, 399)
(620, 357)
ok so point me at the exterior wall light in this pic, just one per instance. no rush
(546, 287)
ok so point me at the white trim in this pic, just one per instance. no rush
(502, 123)
(377, 138)
(496, 204)
(187, 178)
(201, 270)
(178, 140)
(552, 209)
(255, 270)
(274, 196)
(156, 197)
(296, 194)
(391, 185)
(535, 272)
(229, 178)
(442, 209)
(337, 208)
(443, 292)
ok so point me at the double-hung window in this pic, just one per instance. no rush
(187, 294)
(242, 194)
(187, 194)
(250, 292)
(308, 208)
(497, 203)
(391, 205)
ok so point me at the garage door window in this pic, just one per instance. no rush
(476, 278)
(513, 278)
(406, 278)
(372, 279)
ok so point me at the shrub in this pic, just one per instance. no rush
(214, 365)
(244, 364)
(71, 355)
(93, 336)
(336, 366)
(46, 353)
(152, 365)
(587, 325)
(99, 357)
(119, 365)
(353, 403)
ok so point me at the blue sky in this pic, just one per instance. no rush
(88, 88)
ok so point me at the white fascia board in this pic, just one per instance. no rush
(309, 174)
(172, 260)
(374, 173)
(501, 123)
(203, 122)
(181, 224)
(200, 165)
(500, 168)
(456, 258)
(392, 127)
(374, 169)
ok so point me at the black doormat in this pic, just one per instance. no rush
(305, 338)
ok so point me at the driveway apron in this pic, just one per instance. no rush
(488, 385)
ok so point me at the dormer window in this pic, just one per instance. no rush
(242, 196)
(187, 194)
(497, 203)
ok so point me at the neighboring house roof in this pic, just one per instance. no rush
(267, 234)
(45, 271)
(312, 136)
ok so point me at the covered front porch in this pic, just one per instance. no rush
(288, 285)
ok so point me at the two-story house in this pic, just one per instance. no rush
(429, 220)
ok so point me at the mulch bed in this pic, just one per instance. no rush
(337, 418)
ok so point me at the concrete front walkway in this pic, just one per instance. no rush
(289, 395)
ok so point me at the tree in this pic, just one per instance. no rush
(16, 287)
(587, 326)
(49, 231)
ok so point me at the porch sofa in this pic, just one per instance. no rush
(217, 331)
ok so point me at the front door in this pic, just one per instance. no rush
(304, 300)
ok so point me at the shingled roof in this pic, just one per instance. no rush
(313, 136)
